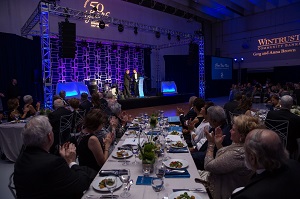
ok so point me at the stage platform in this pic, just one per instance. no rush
(149, 101)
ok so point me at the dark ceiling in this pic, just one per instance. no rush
(212, 10)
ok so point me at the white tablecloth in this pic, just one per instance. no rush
(11, 139)
(144, 191)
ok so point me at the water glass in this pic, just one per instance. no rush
(157, 185)
(124, 155)
(111, 184)
(135, 151)
(146, 170)
(160, 170)
(125, 177)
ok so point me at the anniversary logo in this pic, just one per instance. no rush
(278, 45)
(96, 10)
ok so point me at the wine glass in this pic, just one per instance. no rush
(135, 151)
(124, 155)
(111, 183)
(157, 185)
(125, 179)
(17, 116)
(160, 170)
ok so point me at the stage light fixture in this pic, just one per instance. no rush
(235, 59)
(135, 30)
(178, 38)
(169, 36)
(157, 34)
(101, 24)
(242, 59)
(120, 28)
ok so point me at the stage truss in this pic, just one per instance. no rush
(44, 9)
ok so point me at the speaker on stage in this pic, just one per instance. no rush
(67, 39)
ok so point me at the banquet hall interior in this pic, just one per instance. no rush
(179, 48)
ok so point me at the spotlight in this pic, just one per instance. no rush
(178, 38)
(235, 59)
(98, 45)
(242, 59)
(169, 36)
(157, 34)
(120, 28)
(135, 30)
(114, 48)
(101, 24)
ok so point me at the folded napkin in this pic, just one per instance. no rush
(174, 174)
(133, 141)
(153, 132)
(142, 180)
(175, 128)
(179, 150)
(113, 172)
(174, 138)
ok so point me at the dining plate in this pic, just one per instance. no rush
(175, 133)
(118, 154)
(176, 163)
(178, 193)
(95, 184)
(178, 144)
(130, 132)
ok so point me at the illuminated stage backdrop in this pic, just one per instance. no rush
(105, 64)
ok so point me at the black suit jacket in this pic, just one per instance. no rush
(86, 105)
(280, 184)
(41, 175)
(126, 79)
(191, 114)
(294, 126)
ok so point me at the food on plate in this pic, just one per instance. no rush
(132, 132)
(185, 195)
(120, 153)
(178, 144)
(174, 133)
(176, 164)
(102, 184)
(135, 125)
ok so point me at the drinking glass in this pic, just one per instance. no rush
(160, 170)
(111, 183)
(125, 179)
(17, 116)
(146, 169)
(135, 151)
(124, 155)
(157, 185)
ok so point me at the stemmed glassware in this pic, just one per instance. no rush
(125, 177)
(124, 155)
(160, 170)
(111, 184)
(135, 151)
(157, 185)
(17, 116)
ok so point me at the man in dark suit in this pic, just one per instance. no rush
(54, 118)
(41, 175)
(127, 84)
(135, 79)
(232, 105)
(284, 113)
(277, 176)
(85, 104)
(191, 114)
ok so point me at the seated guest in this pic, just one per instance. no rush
(28, 104)
(54, 118)
(90, 151)
(284, 113)
(74, 104)
(190, 114)
(232, 105)
(41, 175)
(227, 170)
(13, 112)
(197, 134)
(276, 176)
(244, 107)
(62, 95)
(216, 117)
(85, 103)
(274, 103)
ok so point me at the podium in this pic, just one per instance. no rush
(141, 87)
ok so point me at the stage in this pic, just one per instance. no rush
(149, 101)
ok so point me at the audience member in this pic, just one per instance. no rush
(244, 107)
(227, 170)
(41, 175)
(28, 104)
(230, 106)
(284, 113)
(91, 152)
(85, 103)
(274, 102)
(13, 112)
(191, 114)
(13, 90)
(62, 95)
(277, 176)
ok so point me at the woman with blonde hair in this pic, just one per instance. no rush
(227, 170)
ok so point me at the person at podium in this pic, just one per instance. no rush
(135, 79)
(127, 84)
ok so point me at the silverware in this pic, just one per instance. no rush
(176, 171)
(108, 196)
(193, 190)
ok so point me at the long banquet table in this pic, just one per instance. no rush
(146, 191)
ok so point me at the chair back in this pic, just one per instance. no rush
(65, 128)
(78, 122)
(11, 185)
(281, 127)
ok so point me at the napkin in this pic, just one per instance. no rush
(175, 128)
(173, 174)
(133, 141)
(179, 150)
(142, 180)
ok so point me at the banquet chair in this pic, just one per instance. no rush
(65, 128)
(78, 121)
(11, 185)
(281, 127)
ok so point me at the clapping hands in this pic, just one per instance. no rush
(215, 137)
(68, 152)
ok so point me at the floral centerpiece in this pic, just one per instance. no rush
(153, 121)
(295, 110)
(45, 112)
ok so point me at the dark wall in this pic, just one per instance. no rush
(21, 59)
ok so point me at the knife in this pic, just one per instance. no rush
(194, 190)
